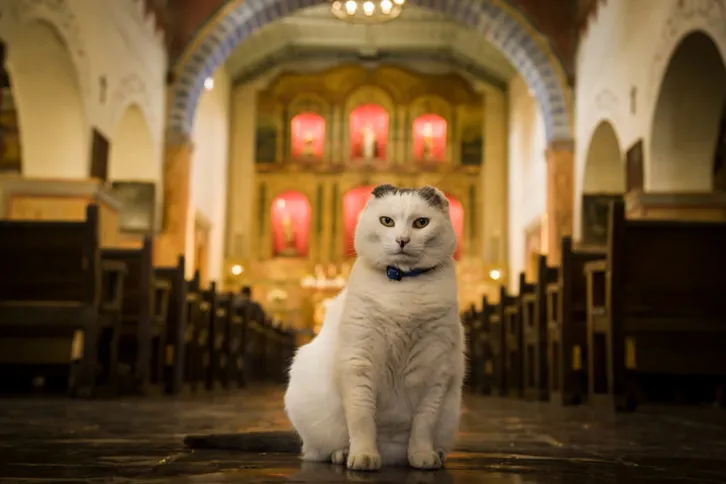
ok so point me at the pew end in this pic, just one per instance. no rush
(567, 344)
(656, 308)
(59, 316)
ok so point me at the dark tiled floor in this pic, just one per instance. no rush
(502, 441)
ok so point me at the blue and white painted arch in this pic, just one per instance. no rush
(498, 22)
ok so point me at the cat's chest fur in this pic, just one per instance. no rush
(411, 333)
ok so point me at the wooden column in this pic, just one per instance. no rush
(560, 196)
(177, 168)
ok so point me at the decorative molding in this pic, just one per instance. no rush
(131, 89)
(149, 14)
(686, 16)
(61, 16)
(495, 20)
(605, 101)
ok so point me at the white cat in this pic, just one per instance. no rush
(381, 382)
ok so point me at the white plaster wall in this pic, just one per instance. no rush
(527, 172)
(208, 183)
(627, 47)
(241, 214)
(604, 168)
(110, 39)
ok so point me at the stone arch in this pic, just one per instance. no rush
(686, 117)
(498, 22)
(50, 103)
(132, 155)
(603, 181)
(129, 90)
(604, 170)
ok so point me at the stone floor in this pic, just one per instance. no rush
(502, 441)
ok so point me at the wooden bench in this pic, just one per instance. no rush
(281, 351)
(656, 306)
(255, 343)
(59, 305)
(496, 343)
(144, 314)
(485, 368)
(566, 317)
(469, 320)
(289, 345)
(234, 344)
(184, 332)
(534, 329)
(210, 313)
(514, 340)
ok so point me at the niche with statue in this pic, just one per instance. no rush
(290, 218)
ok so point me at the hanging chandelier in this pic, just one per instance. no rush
(367, 11)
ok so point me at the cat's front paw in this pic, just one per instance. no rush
(364, 461)
(339, 457)
(425, 459)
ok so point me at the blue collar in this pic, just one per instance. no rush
(396, 274)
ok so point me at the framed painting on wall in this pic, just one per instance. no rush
(138, 200)
(634, 172)
(472, 146)
(266, 140)
(595, 210)
(100, 147)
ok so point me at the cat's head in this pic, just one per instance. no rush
(406, 228)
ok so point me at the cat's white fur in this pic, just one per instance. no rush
(381, 382)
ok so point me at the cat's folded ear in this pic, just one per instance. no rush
(434, 197)
(382, 190)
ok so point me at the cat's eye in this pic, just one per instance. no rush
(387, 221)
(420, 223)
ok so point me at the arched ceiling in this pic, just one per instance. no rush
(420, 39)
(557, 21)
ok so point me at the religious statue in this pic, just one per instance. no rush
(370, 143)
(289, 247)
(427, 142)
(308, 149)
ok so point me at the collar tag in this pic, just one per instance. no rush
(396, 274)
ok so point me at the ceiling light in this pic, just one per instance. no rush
(366, 11)
(208, 83)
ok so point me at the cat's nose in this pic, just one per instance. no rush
(402, 241)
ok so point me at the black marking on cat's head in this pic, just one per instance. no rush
(382, 190)
(434, 197)
(431, 195)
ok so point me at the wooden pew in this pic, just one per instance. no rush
(270, 350)
(469, 320)
(486, 369)
(143, 321)
(285, 350)
(212, 315)
(566, 316)
(184, 331)
(656, 306)
(59, 305)
(255, 346)
(534, 329)
(288, 351)
(234, 344)
(497, 333)
(514, 339)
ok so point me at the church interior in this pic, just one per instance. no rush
(193, 217)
